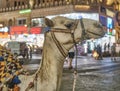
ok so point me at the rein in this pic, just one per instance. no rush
(58, 45)
(94, 33)
(84, 34)
(60, 30)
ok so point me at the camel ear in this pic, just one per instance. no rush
(49, 22)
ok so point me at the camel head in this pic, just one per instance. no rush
(92, 29)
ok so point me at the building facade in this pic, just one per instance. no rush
(24, 12)
(10, 10)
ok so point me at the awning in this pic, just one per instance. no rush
(4, 35)
(4, 32)
(18, 30)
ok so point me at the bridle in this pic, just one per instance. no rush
(60, 47)
(57, 30)
(71, 31)
(84, 35)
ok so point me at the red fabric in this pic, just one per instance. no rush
(35, 30)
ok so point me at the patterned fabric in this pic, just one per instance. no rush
(9, 68)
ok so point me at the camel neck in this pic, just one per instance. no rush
(52, 63)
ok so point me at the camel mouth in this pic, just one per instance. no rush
(97, 34)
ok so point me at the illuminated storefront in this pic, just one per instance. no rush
(4, 32)
(30, 35)
(94, 16)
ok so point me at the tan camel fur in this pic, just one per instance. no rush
(50, 71)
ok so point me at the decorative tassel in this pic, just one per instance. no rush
(5, 88)
(16, 88)
(16, 80)
(1, 58)
(1, 88)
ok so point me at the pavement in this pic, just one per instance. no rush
(93, 75)
(87, 63)
(84, 63)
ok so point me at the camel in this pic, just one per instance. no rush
(58, 41)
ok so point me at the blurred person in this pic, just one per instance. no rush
(108, 47)
(26, 52)
(95, 54)
(113, 51)
(99, 51)
(105, 47)
(71, 55)
(30, 52)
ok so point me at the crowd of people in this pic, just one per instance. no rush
(98, 53)
(28, 50)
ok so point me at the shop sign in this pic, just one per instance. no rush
(82, 7)
(25, 11)
(103, 20)
(110, 31)
(18, 30)
(35, 30)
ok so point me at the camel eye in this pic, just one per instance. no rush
(69, 25)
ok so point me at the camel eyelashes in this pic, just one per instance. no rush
(70, 25)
